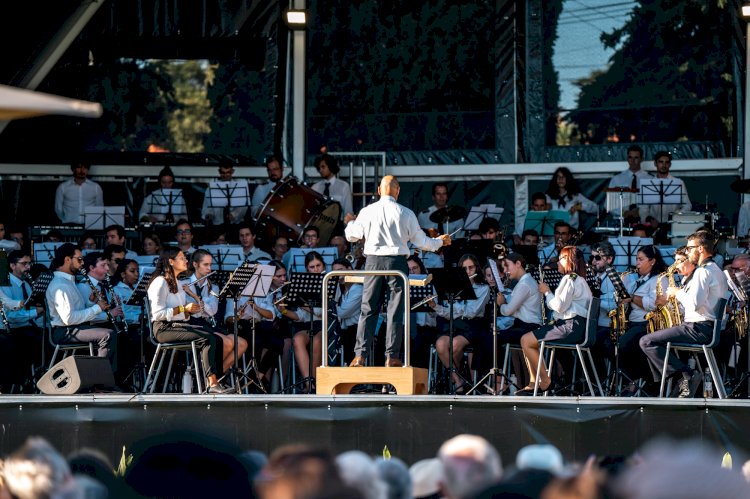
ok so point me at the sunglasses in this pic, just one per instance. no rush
(596, 257)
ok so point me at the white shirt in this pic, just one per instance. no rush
(210, 302)
(571, 298)
(661, 212)
(155, 205)
(245, 310)
(525, 301)
(467, 309)
(66, 305)
(132, 313)
(424, 221)
(567, 203)
(12, 298)
(162, 302)
(85, 290)
(339, 191)
(255, 254)
(701, 294)
(645, 287)
(259, 195)
(71, 199)
(625, 179)
(217, 214)
(388, 227)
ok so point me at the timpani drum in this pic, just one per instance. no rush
(292, 207)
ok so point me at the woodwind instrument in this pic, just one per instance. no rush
(199, 299)
(423, 301)
(116, 326)
(619, 316)
(118, 303)
(543, 302)
(4, 317)
(739, 319)
(668, 315)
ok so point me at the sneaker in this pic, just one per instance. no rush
(688, 385)
(219, 389)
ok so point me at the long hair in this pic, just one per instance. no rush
(571, 185)
(314, 255)
(165, 269)
(479, 279)
(652, 253)
(574, 262)
(419, 262)
(121, 266)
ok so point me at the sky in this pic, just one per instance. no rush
(578, 49)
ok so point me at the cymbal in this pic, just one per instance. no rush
(742, 186)
(619, 189)
(448, 214)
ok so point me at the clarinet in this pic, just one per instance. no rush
(4, 317)
(115, 325)
(120, 319)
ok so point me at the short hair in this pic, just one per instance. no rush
(704, 238)
(538, 195)
(343, 261)
(165, 172)
(635, 148)
(15, 255)
(182, 221)
(470, 464)
(488, 224)
(560, 223)
(604, 248)
(312, 228)
(111, 249)
(63, 251)
(516, 258)
(35, 470)
(199, 255)
(439, 184)
(742, 257)
(119, 228)
(275, 157)
(75, 164)
(92, 259)
(330, 160)
(529, 232)
(394, 473)
(661, 154)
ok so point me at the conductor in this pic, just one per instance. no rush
(387, 228)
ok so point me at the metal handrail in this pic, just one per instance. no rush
(407, 306)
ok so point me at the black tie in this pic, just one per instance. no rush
(25, 296)
(327, 190)
(226, 214)
(199, 290)
(103, 290)
(634, 182)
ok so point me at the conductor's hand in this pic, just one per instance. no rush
(349, 217)
(192, 308)
(446, 238)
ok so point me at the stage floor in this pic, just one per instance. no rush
(412, 427)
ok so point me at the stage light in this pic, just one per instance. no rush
(295, 18)
(746, 11)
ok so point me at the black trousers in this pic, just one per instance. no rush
(654, 345)
(212, 354)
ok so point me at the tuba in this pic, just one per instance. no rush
(669, 314)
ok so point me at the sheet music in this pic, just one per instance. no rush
(496, 275)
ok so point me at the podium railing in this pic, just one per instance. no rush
(407, 306)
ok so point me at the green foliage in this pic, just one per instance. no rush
(125, 461)
(386, 453)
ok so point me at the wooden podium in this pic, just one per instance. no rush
(338, 380)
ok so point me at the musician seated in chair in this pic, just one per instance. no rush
(569, 304)
(649, 266)
(521, 306)
(72, 319)
(699, 295)
(304, 318)
(468, 323)
(423, 328)
(205, 294)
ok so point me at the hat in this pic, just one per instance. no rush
(425, 477)
(540, 457)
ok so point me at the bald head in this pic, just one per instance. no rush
(389, 186)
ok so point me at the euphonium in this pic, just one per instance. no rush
(669, 314)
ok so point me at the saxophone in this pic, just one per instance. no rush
(619, 316)
(739, 319)
(667, 315)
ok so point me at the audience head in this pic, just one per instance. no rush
(297, 471)
(470, 464)
(426, 476)
(36, 470)
(394, 473)
(358, 470)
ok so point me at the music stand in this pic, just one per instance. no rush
(227, 194)
(452, 284)
(138, 298)
(626, 249)
(226, 256)
(660, 191)
(164, 201)
(483, 249)
(258, 285)
(39, 295)
(44, 253)
(306, 289)
(297, 257)
(494, 371)
(233, 288)
(101, 217)
(543, 222)
(478, 213)
(419, 295)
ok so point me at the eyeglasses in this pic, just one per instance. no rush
(680, 261)
(561, 233)
(596, 257)
(79, 258)
(184, 231)
(25, 264)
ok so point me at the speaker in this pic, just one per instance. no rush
(75, 374)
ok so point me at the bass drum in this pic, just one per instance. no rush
(290, 208)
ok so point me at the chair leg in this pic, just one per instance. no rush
(54, 357)
(714, 368)
(539, 367)
(151, 372)
(198, 371)
(596, 374)
(664, 370)
(91, 349)
(431, 370)
(169, 371)
(585, 370)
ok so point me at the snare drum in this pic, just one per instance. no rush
(291, 207)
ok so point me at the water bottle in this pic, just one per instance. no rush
(187, 381)
(691, 363)
(708, 386)
(513, 383)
